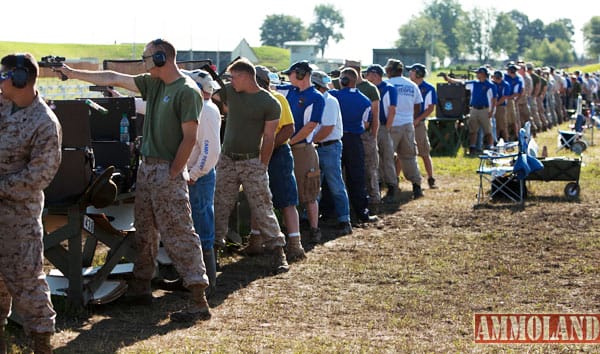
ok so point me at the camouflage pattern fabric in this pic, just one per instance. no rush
(29, 158)
(253, 177)
(163, 212)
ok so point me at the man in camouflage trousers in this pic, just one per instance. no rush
(30, 154)
(162, 207)
(253, 117)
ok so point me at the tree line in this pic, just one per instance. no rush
(448, 31)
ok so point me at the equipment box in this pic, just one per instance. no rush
(557, 169)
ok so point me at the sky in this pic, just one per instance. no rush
(222, 24)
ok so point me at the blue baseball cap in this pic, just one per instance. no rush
(419, 68)
(375, 68)
(483, 69)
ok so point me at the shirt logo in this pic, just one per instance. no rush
(166, 99)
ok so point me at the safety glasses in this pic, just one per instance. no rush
(5, 75)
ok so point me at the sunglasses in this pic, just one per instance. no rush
(5, 75)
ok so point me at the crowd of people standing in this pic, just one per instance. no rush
(314, 148)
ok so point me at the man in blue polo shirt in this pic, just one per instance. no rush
(502, 93)
(307, 106)
(387, 111)
(483, 99)
(512, 114)
(356, 109)
(417, 74)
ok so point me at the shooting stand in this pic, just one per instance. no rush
(74, 223)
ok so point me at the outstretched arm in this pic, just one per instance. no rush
(100, 77)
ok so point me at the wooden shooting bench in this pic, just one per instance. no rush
(85, 208)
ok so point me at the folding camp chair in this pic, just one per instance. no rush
(507, 172)
(497, 169)
(573, 139)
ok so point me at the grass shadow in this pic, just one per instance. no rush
(237, 273)
(121, 325)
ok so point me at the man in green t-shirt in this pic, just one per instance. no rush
(162, 207)
(252, 119)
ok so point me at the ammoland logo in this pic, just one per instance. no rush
(502, 328)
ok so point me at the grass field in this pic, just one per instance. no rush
(268, 56)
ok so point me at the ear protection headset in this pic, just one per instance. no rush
(20, 74)
(345, 81)
(159, 58)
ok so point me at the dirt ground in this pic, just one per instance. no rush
(409, 284)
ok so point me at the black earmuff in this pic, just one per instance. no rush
(20, 73)
(159, 58)
(345, 81)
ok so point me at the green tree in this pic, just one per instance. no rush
(591, 37)
(278, 29)
(327, 25)
(557, 53)
(449, 14)
(560, 29)
(525, 29)
(505, 36)
(425, 33)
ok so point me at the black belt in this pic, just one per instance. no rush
(480, 107)
(239, 157)
(153, 160)
(325, 143)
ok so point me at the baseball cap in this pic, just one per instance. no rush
(375, 68)
(498, 74)
(350, 64)
(529, 66)
(320, 78)
(394, 64)
(419, 68)
(513, 67)
(483, 69)
(203, 79)
(302, 65)
(262, 73)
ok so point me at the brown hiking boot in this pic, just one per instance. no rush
(279, 261)
(294, 250)
(198, 310)
(343, 228)
(314, 235)
(139, 292)
(41, 343)
(254, 246)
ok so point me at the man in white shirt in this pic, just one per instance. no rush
(201, 165)
(329, 147)
(403, 130)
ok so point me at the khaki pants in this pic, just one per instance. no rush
(403, 141)
(371, 166)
